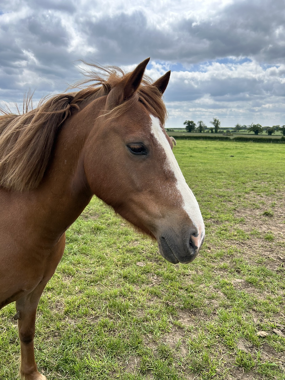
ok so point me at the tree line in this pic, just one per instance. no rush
(257, 128)
(200, 127)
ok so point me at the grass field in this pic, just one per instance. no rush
(115, 309)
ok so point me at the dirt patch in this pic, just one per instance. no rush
(58, 306)
(133, 364)
(265, 227)
(239, 283)
(269, 354)
(176, 341)
(89, 216)
(244, 346)
(267, 218)
(155, 280)
(239, 374)
(186, 318)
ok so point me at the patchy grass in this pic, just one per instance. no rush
(115, 309)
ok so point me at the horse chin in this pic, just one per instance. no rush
(166, 251)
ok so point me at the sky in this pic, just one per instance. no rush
(227, 57)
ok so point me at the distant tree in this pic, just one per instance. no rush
(216, 123)
(238, 127)
(190, 125)
(212, 130)
(256, 128)
(276, 127)
(283, 130)
(244, 126)
(201, 126)
(270, 131)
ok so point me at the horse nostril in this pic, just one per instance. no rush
(193, 239)
(194, 232)
(192, 243)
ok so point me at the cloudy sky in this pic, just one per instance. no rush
(227, 56)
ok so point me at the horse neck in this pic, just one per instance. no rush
(64, 192)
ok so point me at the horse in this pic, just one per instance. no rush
(106, 139)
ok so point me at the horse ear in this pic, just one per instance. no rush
(135, 79)
(162, 82)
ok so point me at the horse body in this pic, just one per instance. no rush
(122, 156)
(33, 223)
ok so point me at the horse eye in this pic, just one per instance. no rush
(137, 148)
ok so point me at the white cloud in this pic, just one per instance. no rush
(227, 56)
(244, 93)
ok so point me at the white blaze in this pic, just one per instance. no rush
(190, 203)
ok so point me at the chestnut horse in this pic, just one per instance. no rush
(107, 139)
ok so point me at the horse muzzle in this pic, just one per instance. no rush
(183, 247)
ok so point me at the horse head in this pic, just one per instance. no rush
(130, 165)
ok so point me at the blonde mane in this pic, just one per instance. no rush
(27, 140)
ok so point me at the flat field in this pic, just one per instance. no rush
(115, 309)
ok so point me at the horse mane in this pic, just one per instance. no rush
(27, 140)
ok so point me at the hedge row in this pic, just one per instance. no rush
(236, 139)
(204, 137)
(261, 139)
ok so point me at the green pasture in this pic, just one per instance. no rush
(115, 309)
